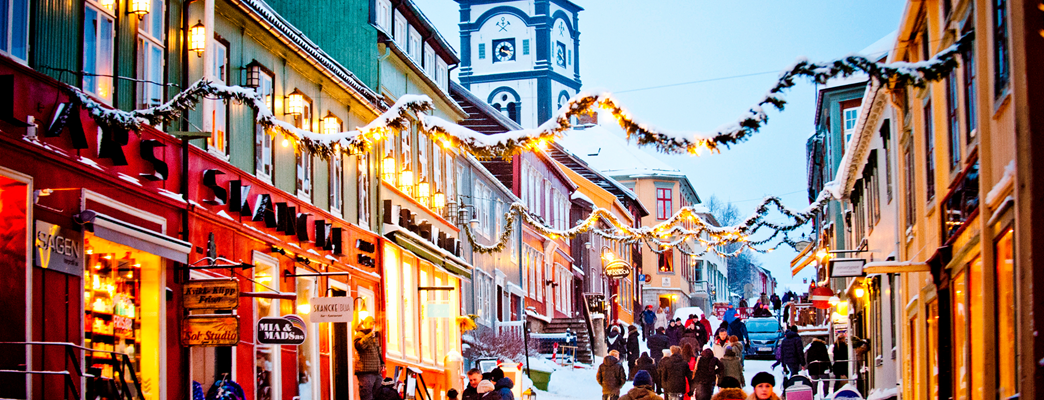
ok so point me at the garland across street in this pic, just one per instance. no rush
(668, 234)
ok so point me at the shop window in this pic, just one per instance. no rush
(393, 292)
(99, 38)
(123, 292)
(308, 352)
(441, 324)
(960, 336)
(264, 140)
(1007, 317)
(426, 325)
(932, 336)
(266, 356)
(976, 332)
(409, 307)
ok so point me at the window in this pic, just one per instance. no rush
(1001, 70)
(482, 203)
(400, 32)
(968, 70)
(409, 307)
(429, 60)
(441, 74)
(851, 116)
(482, 51)
(307, 352)
(336, 183)
(909, 179)
(1007, 316)
(303, 156)
(929, 151)
(150, 56)
(407, 158)
(666, 261)
(14, 31)
(264, 141)
(267, 357)
(952, 128)
(525, 47)
(414, 47)
(98, 44)
(217, 120)
(663, 203)
(449, 190)
(960, 336)
(363, 174)
(422, 160)
(383, 15)
(392, 299)
(886, 139)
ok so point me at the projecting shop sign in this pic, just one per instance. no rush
(846, 267)
(288, 329)
(58, 249)
(210, 330)
(213, 294)
(330, 309)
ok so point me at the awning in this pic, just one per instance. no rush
(894, 267)
(430, 252)
(146, 240)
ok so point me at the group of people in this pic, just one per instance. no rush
(792, 355)
(492, 385)
(686, 362)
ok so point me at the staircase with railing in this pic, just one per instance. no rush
(123, 385)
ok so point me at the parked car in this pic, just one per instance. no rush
(765, 334)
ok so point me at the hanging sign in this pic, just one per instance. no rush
(846, 267)
(58, 249)
(210, 330)
(288, 329)
(212, 294)
(617, 269)
(330, 309)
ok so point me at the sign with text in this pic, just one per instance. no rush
(330, 309)
(288, 329)
(617, 269)
(210, 330)
(212, 294)
(58, 248)
(846, 267)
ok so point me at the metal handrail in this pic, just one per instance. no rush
(124, 360)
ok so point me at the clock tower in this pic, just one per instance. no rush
(521, 56)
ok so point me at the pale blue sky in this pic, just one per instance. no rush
(631, 44)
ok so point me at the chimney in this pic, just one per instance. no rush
(587, 119)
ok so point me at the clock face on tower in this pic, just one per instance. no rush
(503, 50)
(560, 54)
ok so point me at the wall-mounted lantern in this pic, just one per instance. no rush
(295, 103)
(253, 77)
(139, 7)
(198, 38)
(331, 124)
(388, 169)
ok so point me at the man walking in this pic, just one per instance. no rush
(611, 376)
(648, 322)
(675, 375)
(792, 351)
(657, 344)
(633, 348)
(471, 392)
(370, 365)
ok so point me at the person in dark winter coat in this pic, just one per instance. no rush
(840, 367)
(706, 326)
(738, 328)
(708, 370)
(369, 358)
(611, 376)
(387, 391)
(645, 363)
(502, 384)
(615, 340)
(657, 344)
(643, 388)
(648, 319)
(732, 365)
(776, 302)
(674, 332)
(632, 350)
(743, 303)
(702, 335)
(471, 392)
(675, 373)
(818, 358)
(792, 352)
(487, 391)
(689, 338)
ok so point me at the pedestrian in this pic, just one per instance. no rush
(611, 376)
(658, 343)
(502, 384)
(615, 340)
(452, 394)
(732, 365)
(688, 354)
(643, 388)
(818, 358)
(370, 366)
(675, 375)
(471, 392)
(706, 326)
(632, 350)
(763, 383)
(738, 347)
(674, 332)
(661, 318)
(721, 340)
(764, 299)
(738, 328)
(743, 303)
(645, 363)
(387, 391)
(787, 297)
(689, 322)
(792, 351)
(708, 370)
(729, 389)
(776, 302)
(648, 322)
(702, 334)
(689, 338)
(840, 367)
(487, 391)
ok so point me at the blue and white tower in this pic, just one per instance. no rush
(521, 56)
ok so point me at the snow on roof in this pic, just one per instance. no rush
(605, 151)
(582, 197)
(881, 47)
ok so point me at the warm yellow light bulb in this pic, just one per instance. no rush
(303, 308)
(860, 292)
(286, 142)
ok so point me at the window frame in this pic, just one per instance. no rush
(95, 74)
(219, 106)
(362, 192)
(953, 128)
(146, 68)
(336, 184)
(845, 120)
(664, 203)
(261, 135)
(1001, 48)
(23, 30)
(929, 149)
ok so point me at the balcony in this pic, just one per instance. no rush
(961, 204)
(701, 287)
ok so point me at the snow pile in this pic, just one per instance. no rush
(1002, 184)
(883, 394)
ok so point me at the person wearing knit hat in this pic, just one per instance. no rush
(763, 383)
(487, 391)
(730, 389)
(643, 388)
